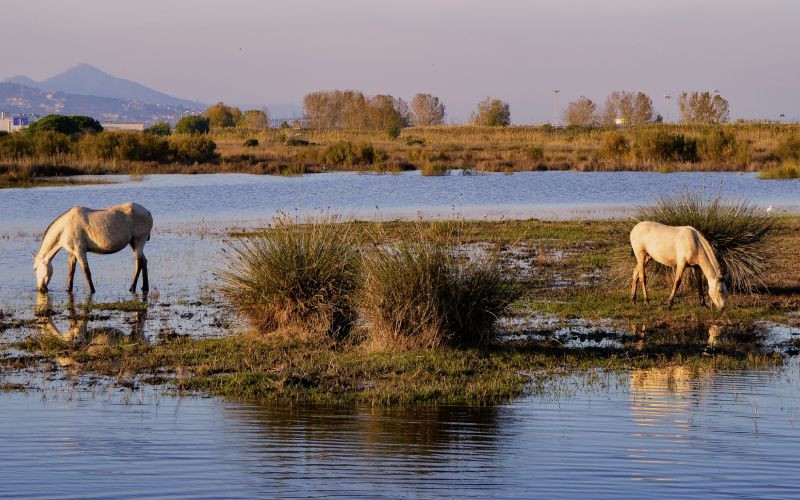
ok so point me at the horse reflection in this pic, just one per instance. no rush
(78, 331)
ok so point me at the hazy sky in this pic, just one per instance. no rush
(243, 51)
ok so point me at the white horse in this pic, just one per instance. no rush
(80, 230)
(676, 247)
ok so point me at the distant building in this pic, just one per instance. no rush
(14, 123)
(125, 127)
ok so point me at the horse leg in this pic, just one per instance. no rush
(138, 259)
(678, 275)
(642, 266)
(635, 283)
(699, 275)
(86, 272)
(145, 277)
(71, 273)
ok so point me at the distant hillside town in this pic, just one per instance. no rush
(86, 90)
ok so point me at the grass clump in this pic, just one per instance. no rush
(419, 293)
(737, 230)
(297, 278)
(783, 171)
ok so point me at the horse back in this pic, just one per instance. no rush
(667, 245)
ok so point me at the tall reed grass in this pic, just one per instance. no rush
(295, 278)
(421, 293)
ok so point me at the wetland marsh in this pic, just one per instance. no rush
(583, 385)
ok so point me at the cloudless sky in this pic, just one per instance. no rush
(264, 51)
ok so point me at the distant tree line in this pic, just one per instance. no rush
(636, 108)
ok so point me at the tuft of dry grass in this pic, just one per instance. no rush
(296, 278)
(422, 293)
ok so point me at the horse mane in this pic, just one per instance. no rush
(709, 250)
(54, 221)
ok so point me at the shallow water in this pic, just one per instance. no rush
(654, 432)
(658, 432)
(206, 199)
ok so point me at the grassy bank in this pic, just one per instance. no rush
(658, 148)
(573, 270)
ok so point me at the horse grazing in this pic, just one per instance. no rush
(676, 247)
(80, 230)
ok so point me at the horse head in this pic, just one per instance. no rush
(718, 292)
(43, 270)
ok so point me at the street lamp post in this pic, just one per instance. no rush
(555, 106)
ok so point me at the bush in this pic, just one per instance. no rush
(659, 145)
(194, 149)
(615, 145)
(718, 145)
(789, 148)
(193, 125)
(295, 277)
(534, 153)
(295, 141)
(492, 113)
(15, 146)
(68, 125)
(250, 143)
(784, 171)
(126, 146)
(347, 153)
(161, 129)
(420, 294)
(738, 231)
(50, 143)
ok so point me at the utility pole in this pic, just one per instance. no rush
(555, 106)
(667, 97)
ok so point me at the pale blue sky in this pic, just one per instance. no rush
(250, 51)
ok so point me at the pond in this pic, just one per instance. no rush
(657, 432)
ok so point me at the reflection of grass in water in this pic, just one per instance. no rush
(272, 369)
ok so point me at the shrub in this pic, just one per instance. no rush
(738, 231)
(534, 153)
(783, 171)
(193, 125)
(15, 146)
(299, 278)
(194, 149)
(68, 125)
(718, 145)
(615, 145)
(658, 145)
(102, 146)
(50, 143)
(161, 129)
(347, 153)
(296, 141)
(789, 148)
(420, 294)
(250, 143)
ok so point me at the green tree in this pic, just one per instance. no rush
(160, 129)
(193, 125)
(63, 124)
(492, 112)
(222, 116)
